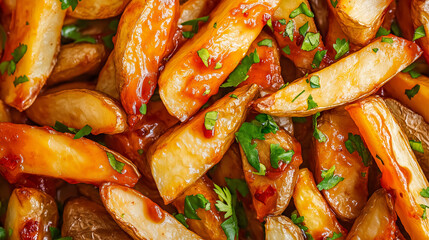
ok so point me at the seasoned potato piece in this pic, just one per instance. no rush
(282, 228)
(70, 85)
(401, 173)
(4, 113)
(37, 24)
(147, 187)
(106, 82)
(349, 196)
(85, 219)
(96, 9)
(377, 220)
(30, 213)
(420, 17)
(403, 17)
(58, 155)
(79, 107)
(188, 81)
(192, 149)
(139, 50)
(318, 217)
(140, 217)
(341, 83)
(228, 166)
(272, 192)
(76, 59)
(400, 88)
(193, 9)
(89, 191)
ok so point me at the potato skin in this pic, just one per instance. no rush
(94, 9)
(281, 227)
(420, 16)
(106, 81)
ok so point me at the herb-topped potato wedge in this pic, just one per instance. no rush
(420, 19)
(281, 227)
(94, 9)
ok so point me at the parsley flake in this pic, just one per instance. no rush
(382, 32)
(417, 146)
(210, 120)
(218, 66)
(262, 170)
(302, 9)
(297, 96)
(282, 21)
(225, 204)
(387, 40)
(424, 215)
(237, 185)
(329, 179)
(341, 46)
(118, 166)
(277, 154)
(290, 28)
(140, 151)
(73, 32)
(233, 96)
(299, 222)
(240, 72)
(192, 203)
(20, 79)
(355, 143)
(375, 50)
(304, 29)
(204, 55)
(266, 42)
(314, 81)
(412, 92)
(181, 218)
(419, 33)
(318, 57)
(69, 3)
(270, 24)
(143, 109)
(286, 50)
(311, 103)
(17, 54)
(334, 3)
(319, 135)
(335, 236)
(311, 41)
(195, 26)
(85, 131)
(410, 70)
(425, 192)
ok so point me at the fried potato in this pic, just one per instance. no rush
(360, 20)
(77, 59)
(79, 107)
(140, 217)
(420, 17)
(229, 167)
(58, 155)
(377, 220)
(272, 192)
(95, 9)
(184, 82)
(85, 219)
(398, 86)
(69, 86)
(282, 228)
(318, 217)
(139, 50)
(147, 187)
(403, 17)
(391, 150)
(4, 113)
(340, 83)
(106, 82)
(89, 191)
(30, 213)
(36, 24)
(349, 196)
(193, 9)
(192, 149)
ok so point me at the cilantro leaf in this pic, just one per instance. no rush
(304, 29)
(210, 120)
(290, 28)
(10, 66)
(425, 192)
(218, 66)
(235, 184)
(204, 55)
(314, 81)
(69, 3)
(299, 222)
(387, 40)
(277, 153)
(417, 146)
(355, 143)
(329, 179)
(341, 46)
(318, 57)
(335, 236)
(143, 109)
(20, 79)
(181, 218)
(19, 52)
(311, 41)
(118, 166)
(286, 50)
(225, 204)
(193, 202)
(301, 9)
(73, 32)
(311, 103)
(334, 4)
(268, 123)
(410, 70)
(195, 26)
(412, 92)
(86, 130)
(319, 135)
(375, 50)
(266, 42)
(419, 33)
(240, 72)
(382, 32)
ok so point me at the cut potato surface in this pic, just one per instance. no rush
(282, 228)
(95, 9)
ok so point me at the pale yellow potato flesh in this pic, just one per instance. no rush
(184, 154)
(282, 228)
(79, 107)
(96, 9)
(106, 82)
(140, 217)
(29, 215)
(351, 78)
(42, 37)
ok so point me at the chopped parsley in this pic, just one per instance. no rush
(286, 50)
(195, 26)
(290, 28)
(335, 236)
(319, 135)
(218, 66)
(318, 57)
(382, 32)
(314, 81)
(210, 120)
(410, 70)
(425, 192)
(17, 54)
(297, 96)
(277, 154)
(192, 203)
(262, 170)
(355, 143)
(140, 151)
(108, 39)
(73, 32)
(334, 3)
(270, 24)
(181, 218)
(424, 215)
(412, 92)
(225, 204)
(282, 21)
(85, 131)
(341, 46)
(387, 40)
(329, 179)
(266, 42)
(375, 50)
(419, 33)
(204, 55)
(311, 103)
(20, 79)
(311, 41)
(55, 234)
(206, 92)
(118, 166)
(233, 96)
(237, 185)
(417, 146)
(302, 9)
(69, 3)
(304, 29)
(239, 74)
(143, 109)
(299, 222)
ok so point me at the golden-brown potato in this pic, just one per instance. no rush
(36, 24)
(95, 9)
(318, 217)
(30, 213)
(402, 83)
(420, 17)
(377, 220)
(193, 9)
(391, 150)
(192, 149)
(4, 113)
(89, 191)
(282, 228)
(403, 17)
(58, 155)
(106, 82)
(341, 83)
(187, 82)
(147, 187)
(77, 59)
(85, 219)
(349, 196)
(70, 85)
(229, 167)
(79, 107)
(140, 217)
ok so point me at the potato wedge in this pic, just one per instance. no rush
(85, 219)
(318, 217)
(184, 82)
(4, 113)
(106, 82)
(420, 17)
(192, 149)
(377, 220)
(36, 24)
(397, 88)
(69, 86)
(340, 83)
(349, 196)
(272, 192)
(30, 213)
(147, 187)
(139, 51)
(403, 17)
(193, 9)
(282, 228)
(77, 59)
(72, 108)
(95, 9)
(89, 191)
(58, 155)
(391, 150)
(227, 167)
(140, 217)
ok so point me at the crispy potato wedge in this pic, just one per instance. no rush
(106, 82)
(140, 217)
(30, 213)
(391, 150)
(402, 82)
(192, 149)
(193, 9)
(403, 17)
(77, 59)
(89, 191)
(147, 187)
(95, 9)
(272, 192)
(69, 86)
(282, 228)
(349, 196)
(340, 83)
(227, 167)
(36, 24)
(79, 107)
(377, 220)
(185, 79)
(318, 217)
(58, 155)
(139, 51)
(85, 219)
(4, 113)
(420, 16)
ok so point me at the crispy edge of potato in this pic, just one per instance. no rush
(95, 9)
(281, 227)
